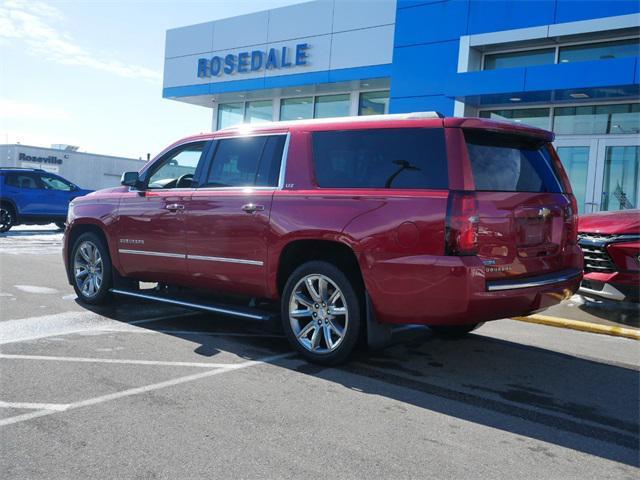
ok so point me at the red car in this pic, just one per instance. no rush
(348, 225)
(611, 245)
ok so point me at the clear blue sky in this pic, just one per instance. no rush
(89, 73)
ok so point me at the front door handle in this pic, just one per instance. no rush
(252, 207)
(174, 207)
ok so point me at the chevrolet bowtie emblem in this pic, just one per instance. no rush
(544, 212)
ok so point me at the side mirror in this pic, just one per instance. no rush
(130, 179)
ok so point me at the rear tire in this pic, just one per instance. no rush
(321, 313)
(7, 217)
(91, 269)
(60, 225)
(454, 331)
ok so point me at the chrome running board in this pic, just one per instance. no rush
(234, 311)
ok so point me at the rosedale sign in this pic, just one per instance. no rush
(253, 61)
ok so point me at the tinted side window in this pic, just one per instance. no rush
(55, 183)
(178, 168)
(381, 158)
(246, 162)
(22, 181)
(510, 163)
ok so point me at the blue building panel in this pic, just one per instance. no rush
(497, 15)
(486, 82)
(581, 74)
(310, 78)
(439, 103)
(427, 40)
(433, 22)
(360, 73)
(572, 10)
(423, 69)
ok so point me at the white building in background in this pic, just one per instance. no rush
(87, 170)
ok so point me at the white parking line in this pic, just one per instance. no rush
(66, 323)
(58, 407)
(115, 360)
(139, 390)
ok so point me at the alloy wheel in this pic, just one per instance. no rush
(6, 219)
(88, 269)
(318, 314)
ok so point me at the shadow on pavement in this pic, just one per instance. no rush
(569, 401)
(30, 233)
(624, 313)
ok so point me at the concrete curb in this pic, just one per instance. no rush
(582, 326)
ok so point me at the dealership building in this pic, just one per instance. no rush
(87, 170)
(569, 66)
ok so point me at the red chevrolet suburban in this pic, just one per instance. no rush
(347, 225)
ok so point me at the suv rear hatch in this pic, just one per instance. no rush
(526, 213)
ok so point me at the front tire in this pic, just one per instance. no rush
(7, 218)
(60, 225)
(91, 267)
(321, 313)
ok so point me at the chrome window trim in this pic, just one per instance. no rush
(231, 189)
(247, 134)
(283, 162)
(542, 280)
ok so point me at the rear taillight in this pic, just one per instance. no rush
(571, 220)
(461, 224)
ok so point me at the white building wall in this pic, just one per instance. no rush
(340, 34)
(87, 170)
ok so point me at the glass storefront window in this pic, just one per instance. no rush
(332, 106)
(600, 51)
(625, 118)
(374, 103)
(575, 161)
(258, 111)
(620, 184)
(535, 117)
(544, 56)
(296, 108)
(597, 119)
(230, 114)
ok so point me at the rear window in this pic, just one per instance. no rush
(381, 158)
(510, 163)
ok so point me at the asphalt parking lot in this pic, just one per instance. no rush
(140, 390)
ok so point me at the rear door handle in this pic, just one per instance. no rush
(174, 207)
(252, 207)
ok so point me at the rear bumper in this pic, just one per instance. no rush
(538, 281)
(454, 291)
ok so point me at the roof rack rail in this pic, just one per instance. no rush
(22, 168)
(353, 118)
